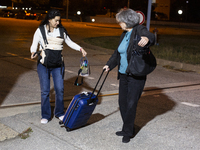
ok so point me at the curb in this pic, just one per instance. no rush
(179, 65)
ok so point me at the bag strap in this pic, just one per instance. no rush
(62, 30)
(76, 81)
(136, 38)
(84, 58)
(42, 30)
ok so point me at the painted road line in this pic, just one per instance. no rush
(190, 104)
(12, 54)
(117, 85)
(21, 57)
(91, 78)
(29, 59)
(69, 71)
(72, 72)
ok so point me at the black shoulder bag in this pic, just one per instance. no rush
(142, 62)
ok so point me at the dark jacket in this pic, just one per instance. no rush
(141, 31)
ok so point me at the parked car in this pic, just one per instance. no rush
(161, 16)
(41, 16)
(8, 13)
(24, 14)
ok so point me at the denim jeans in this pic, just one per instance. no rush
(44, 77)
(130, 90)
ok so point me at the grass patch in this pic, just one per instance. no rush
(25, 133)
(179, 48)
(109, 42)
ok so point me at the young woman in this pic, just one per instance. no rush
(130, 87)
(52, 26)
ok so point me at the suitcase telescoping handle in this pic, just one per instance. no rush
(91, 100)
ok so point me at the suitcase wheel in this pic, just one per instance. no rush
(68, 129)
(60, 122)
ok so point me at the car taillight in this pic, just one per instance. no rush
(35, 15)
(28, 14)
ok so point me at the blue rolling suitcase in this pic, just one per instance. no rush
(81, 107)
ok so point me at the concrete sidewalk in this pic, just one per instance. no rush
(158, 127)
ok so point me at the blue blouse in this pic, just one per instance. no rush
(122, 49)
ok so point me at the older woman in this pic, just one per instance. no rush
(53, 29)
(130, 87)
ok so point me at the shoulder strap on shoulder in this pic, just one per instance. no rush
(62, 30)
(42, 30)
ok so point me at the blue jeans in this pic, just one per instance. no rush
(58, 79)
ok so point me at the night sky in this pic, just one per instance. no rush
(191, 11)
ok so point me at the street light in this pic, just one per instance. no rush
(79, 14)
(180, 12)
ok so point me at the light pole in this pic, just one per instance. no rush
(149, 14)
(128, 5)
(67, 9)
(12, 4)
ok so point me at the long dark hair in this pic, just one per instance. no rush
(129, 17)
(50, 15)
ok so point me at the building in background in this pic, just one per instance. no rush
(162, 9)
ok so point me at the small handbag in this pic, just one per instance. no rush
(83, 71)
(141, 63)
(84, 66)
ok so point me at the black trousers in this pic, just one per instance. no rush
(130, 90)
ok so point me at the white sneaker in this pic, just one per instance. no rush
(61, 117)
(44, 121)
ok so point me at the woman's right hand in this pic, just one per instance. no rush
(106, 67)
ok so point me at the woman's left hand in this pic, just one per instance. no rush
(33, 55)
(84, 53)
(143, 41)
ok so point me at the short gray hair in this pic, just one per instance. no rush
(128, 16)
